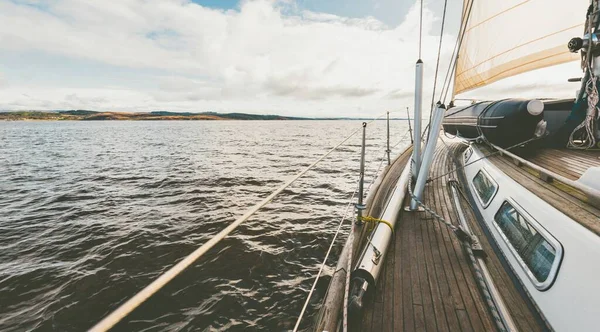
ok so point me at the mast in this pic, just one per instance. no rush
(416, 156)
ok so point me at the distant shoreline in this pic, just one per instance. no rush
(84, 115)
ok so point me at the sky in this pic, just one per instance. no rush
(291, 57)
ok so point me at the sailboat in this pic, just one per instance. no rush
(493, 222)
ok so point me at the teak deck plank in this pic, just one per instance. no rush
(474, 302)
(566, 202)
(427, 282)
(523, 314)
(436, 296)
(388, 292)
(398, 317)
(407, 308)
(377, 324)
(569, 163)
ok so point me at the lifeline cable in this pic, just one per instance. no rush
(350, 238)
(126, 308)
(312, 289)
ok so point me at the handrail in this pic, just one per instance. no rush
(592, 194)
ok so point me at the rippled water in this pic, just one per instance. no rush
(91, 212)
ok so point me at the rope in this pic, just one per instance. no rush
(430, 211)
(455, 184)
(350, 238)
(347, 284)
(139, 298)
(376, 221)
(376, 172)
(351, 241)
(484, 157)
(438, 217)
(466, 243)
(588, 139)
(409, 127)
(312, 289)
(484, 289)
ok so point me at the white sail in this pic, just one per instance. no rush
(508, 37)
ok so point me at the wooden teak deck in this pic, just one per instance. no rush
(568, 163)
(427, 282)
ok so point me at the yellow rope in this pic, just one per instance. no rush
(377, 221)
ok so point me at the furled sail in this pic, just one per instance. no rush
(504, 38)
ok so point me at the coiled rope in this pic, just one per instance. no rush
(588, 139)
(126, 308)
(374, 221)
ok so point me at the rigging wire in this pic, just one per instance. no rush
(454, 59)
(126, 308)
(312, 289)
(484, 157)
(437, 65)
(373, 179)
(351, 240)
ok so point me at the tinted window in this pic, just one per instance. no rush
(533, 249)
(484, 187)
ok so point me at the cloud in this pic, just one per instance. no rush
(3, 82)
(266, 57)
(286, 88)
(399, 94)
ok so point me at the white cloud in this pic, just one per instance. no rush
(268, 57)
(3, 82)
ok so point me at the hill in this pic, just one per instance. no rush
(84, 115)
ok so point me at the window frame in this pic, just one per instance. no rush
(467, 154)
(549, 238)
(489, 177)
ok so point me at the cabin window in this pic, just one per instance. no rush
(485, 187)
(533, 250)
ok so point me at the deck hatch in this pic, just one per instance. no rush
(537, 251)
(485, 187)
